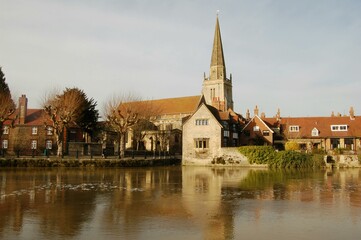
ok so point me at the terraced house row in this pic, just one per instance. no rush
(199, 126)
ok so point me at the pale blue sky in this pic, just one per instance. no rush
(303, 57)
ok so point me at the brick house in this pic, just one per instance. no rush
(322, 133)
(30, 132)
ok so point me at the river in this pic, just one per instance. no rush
(179, 203)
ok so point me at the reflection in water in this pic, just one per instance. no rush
(181, 202)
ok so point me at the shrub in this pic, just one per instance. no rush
(258, 154)
(281, 159)
(292, 146)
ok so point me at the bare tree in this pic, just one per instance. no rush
(141, 129)
(7, 104)
(70, 108)
(122, 113)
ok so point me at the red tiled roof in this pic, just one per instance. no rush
(179, 105)
(322, 124)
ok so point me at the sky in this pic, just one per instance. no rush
(303, 57)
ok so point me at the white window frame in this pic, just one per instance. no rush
(49, 144)
(34, 144)
(339, 128)
(225, 133)
(6, 130)
(266, 133)
(235, 135)
(201, 143)
(294, 128)
(314, 132)
(34, 130)
(49, 131)
(202, 122)
(5, 144)
(256, 128)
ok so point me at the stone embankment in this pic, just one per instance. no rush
(342, 161)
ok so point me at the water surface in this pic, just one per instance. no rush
(179, 203)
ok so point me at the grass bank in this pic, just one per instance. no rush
(281, 159)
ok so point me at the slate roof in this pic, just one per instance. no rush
(34, 117)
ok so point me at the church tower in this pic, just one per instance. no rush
(217, 88)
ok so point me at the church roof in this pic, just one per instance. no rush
(186, 105)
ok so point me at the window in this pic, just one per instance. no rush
(226, 133)
(6, 130)
(201, 122)
(340, 128)
(5, 144)
(49, 144)
(34, 144)
(201, 143)
(235, 135)
(314, 132)
(49, 131)
(265, 133)
(256, 128)
(34, 130)
(294, 128)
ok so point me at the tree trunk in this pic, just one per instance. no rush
(122, 145)
(59, 142)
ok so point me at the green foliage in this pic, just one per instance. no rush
(281, 159)
(292, 146)
(291, 159)
(258, 154)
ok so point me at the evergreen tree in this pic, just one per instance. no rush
(7, 104)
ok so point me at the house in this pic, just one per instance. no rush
(312, 133)
(214, 125)
(29, 132)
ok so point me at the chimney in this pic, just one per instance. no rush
(278, 115)
(263, 115)
(352, 113)
(248, 115)
(255, 111)
(23, 106)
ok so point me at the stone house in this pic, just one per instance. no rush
(168, 122)
(214, 125)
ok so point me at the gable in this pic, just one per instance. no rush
(203, 112)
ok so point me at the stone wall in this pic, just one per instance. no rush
(223, 157)
(340, 161)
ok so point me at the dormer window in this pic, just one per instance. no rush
(294, 128)
(314, 132)
(339, 128)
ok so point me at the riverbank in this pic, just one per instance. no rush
(87, 162)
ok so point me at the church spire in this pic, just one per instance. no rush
(218, 67)
(217, 88)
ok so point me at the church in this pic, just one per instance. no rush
(198, 126)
